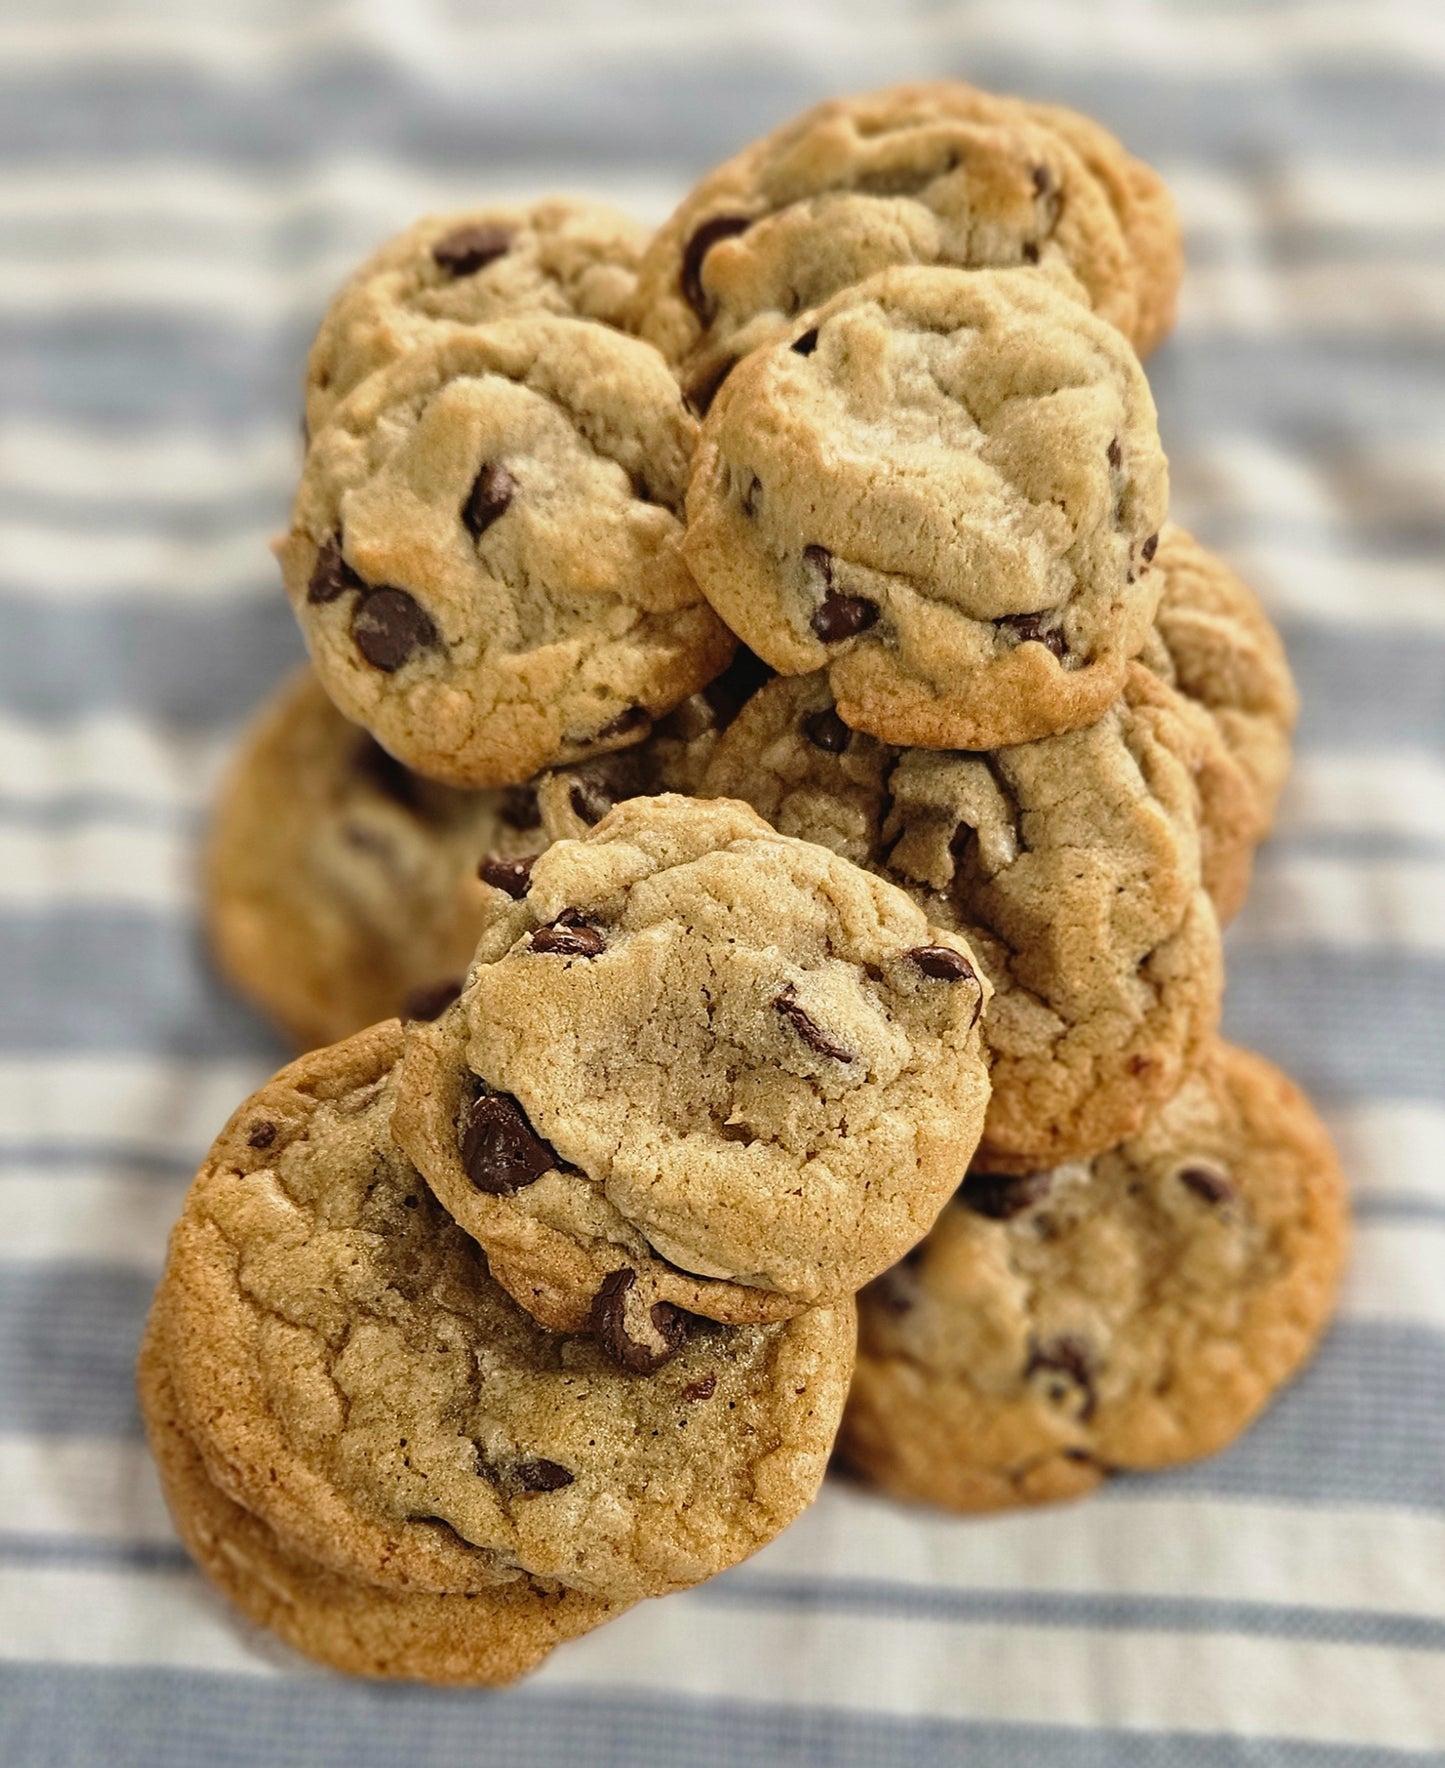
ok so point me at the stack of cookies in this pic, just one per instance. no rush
(755, 834)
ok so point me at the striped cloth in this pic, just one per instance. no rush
(180, 185)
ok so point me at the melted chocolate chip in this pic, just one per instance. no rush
(567, 938)
(470, 249)
(701, 1390)
(819, 561)
(590, 800)
(520, 808)
(1043, 180)
(943, 964)
(617, 1326)
(386, 773)
(1031, 251)
(1116, 454)
(751, 496)
(1212, 1187)
(331, 576)
(432, 1000)
(842, 616)
(1000, 1196)
(511, 875)
(826, 731)
(631, 718)
(1149, 548)
(807, 344)
(262, 1134)
(543, 1476)
(807, 1028)
(1031, 629)
(1069, 1356)
(501, 1152)
(698, 247)
(389, 627)
(490, 496)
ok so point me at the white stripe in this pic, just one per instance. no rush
(1384, 792)
(1394, 1149)
(128, 758)
(96, 1487)
(1316, 584)
(98, 864)
(141, 568)
(1250, 296)
(1351, 904)
(170, 467)
(151, 1107)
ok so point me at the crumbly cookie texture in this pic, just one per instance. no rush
(470, 1638)
(351, 1375)
(341, 888)
(559, 255)
(1071, 867)
(729, 1065)
(485, 551)
(937, 174)
(946, 492)
(1130, 1313)
(1215, 643)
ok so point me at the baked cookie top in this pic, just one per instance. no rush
(1069, 864)
(1131, 1312)
(485, 550)
(725, 1063)
(352, 1376)
(928, 174)
(946, 491)
(559, 255)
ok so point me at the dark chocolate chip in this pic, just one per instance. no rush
(826, 731)
(807, 344)
(663, 1325)
(1149, 548)
(1000, 1196)
(1043, 180)
(590, 800)
(389, 627)
(331, 576)
(701, 1390)
(490, 496)
(386, 773)
(819, 560)
(501, 1152)
(807, 1028)
(1116, 454)
(750, 496)
(543, 1476)
(1031, 251)
(1212, 1187)
(520, 808)
(841, 616)
(943, 963)
(698, 247)
(432, 1000)
(470, 249)
(1067, 1355)
(569, 939)
(1031, 628)
(511, 875)
(631, 718)
(262, 1134)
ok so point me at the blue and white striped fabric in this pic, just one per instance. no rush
(180, 185)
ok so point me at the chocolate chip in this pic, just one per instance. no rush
(807, 1028)
(1043, 180)
(943, 964)
(262, 1134)
(501, 1152)
(1031, 251)
(1212, 1187)
(520, 808)
(701, 1390)
(490, 496)
(569, 939)
(819, 560)
(750, 496)
(807, 344)
(511, 875)
(1116, 454)
(841, 616)
(386, 773)
(543, 1476)
(389, 626)
(631, 718)
(331, 576)
(1031, 629)
(1000, 1196)
(640, 1340)
(1149, 548)
(698, 247)
(700, 393)
(1069, 1356)
(432, 1000)
(826, 731)
(590, 800)
(470, 249)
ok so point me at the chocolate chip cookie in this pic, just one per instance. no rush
(937, 174)
(698, 1065)
(351, 1375)
(1071, 867)
(558, 255)
(946, 492)
(1129, 1313)
(485, 551)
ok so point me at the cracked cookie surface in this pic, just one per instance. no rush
(559, 255)
(352, 1376)
(936, 174)
(946, 492)
(1128, 1313)
(1071, 867)
(729, 1063)
(485, 550)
